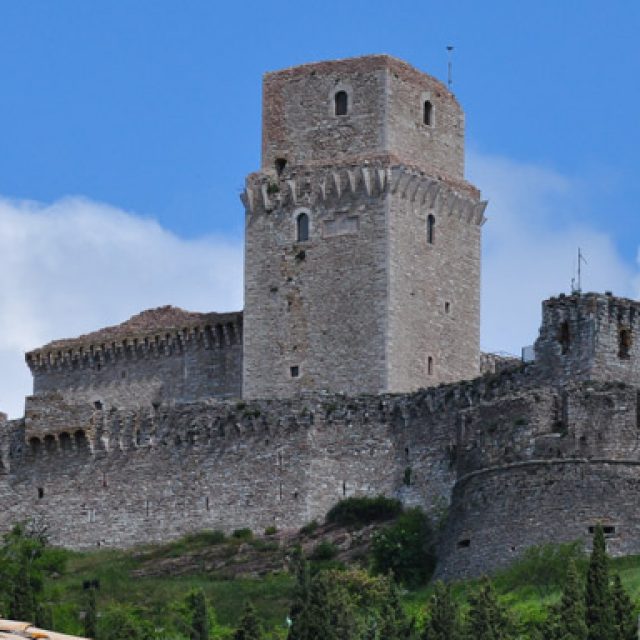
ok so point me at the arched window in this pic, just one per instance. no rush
(431, 228)
(342, 103)
(427, 113)
(302, 227)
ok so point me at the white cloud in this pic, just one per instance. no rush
(76, 265)
(537, 220)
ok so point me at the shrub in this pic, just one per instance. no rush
(364, 510)
(243, 534)
(325, 550)
(309, 528)
(406, 548)
(542, 567)
(120, 621)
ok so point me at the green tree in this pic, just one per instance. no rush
(487, 618)
(91, 615)
(443, 618)
(395, 624)
(331, 611)
(298, 612)
(25, 561)
(119, 622)
(249, 628)
(198, 615)
(599, 610)
(567, 618)
(623, 612)
(406, 548)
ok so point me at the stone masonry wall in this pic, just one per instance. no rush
(543, 465)
(590, 337)
(434, 288)
(178, 366)
(119, 478)
(318, 305)
(385, 116)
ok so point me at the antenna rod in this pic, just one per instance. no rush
(450, 67)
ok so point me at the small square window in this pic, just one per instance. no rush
(295, 372)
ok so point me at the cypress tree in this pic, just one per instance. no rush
(249, 628)
(91, 615)
(394, 623)
(623, 612)
(298, 614)
(197, 606)
(599, 610)
(568, 617)
(442, 623)
(487, 619)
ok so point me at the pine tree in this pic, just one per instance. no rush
(599, 610)
(568, 617)
(249, 628)
(301, 596)
(394, 623)
(623, 612)
(487, 619)
(442, 623)
(197, 606)
(91, 615)
(330, 615)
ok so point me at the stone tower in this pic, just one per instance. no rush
(362, 252)
(589, 336)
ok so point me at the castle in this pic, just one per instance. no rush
(354, 368)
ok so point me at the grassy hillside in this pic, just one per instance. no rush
(236, 570)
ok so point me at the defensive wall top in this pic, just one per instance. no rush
(339, 111)
(590, 336)
(154, 326)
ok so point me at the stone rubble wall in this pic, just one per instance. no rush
(145, 372)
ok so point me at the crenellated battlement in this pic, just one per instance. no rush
(266, 192)
(160, 354)
(213, 331)
(590, 336)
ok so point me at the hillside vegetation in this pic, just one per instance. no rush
(159, 586)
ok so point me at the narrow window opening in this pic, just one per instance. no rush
(564, 337)
(624, 344)
(98, 405)
(608, 530)
(427, 113)
(406, 452)
(123, 374)
(341, 103)
(464, 544)
(281, 164)
(40, 493)
(344, 488)
(295, 372)
(431, 224)
(302, 227)
(206, 503)
(430, 366)
(447, 307)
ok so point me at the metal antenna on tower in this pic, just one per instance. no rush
(450, 67)
(574, 288)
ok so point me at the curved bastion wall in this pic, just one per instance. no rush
(524, 481)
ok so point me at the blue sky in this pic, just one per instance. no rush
(139, 120)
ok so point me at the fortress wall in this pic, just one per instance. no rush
(434, 299)
(132, 476)
(139, 375)
(319, 304)
(543, 465)
(497, 514)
